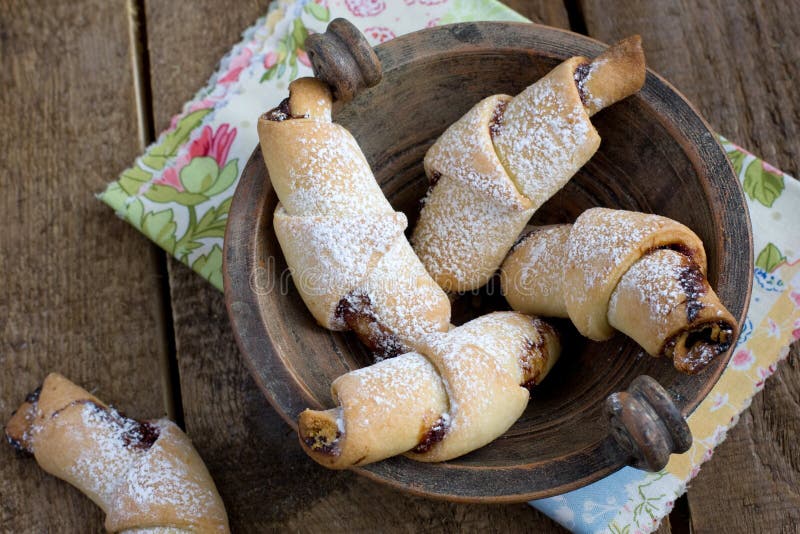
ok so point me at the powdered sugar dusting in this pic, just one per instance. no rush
(163, 480)
(464, 236)
(655, 279)
(480, 362)
(331, 173)
(331, 255)
(403, 295)
(603, 238)
(340, 235)
(102, 465)
(407, 379)
(468, 380)
(466, 153)
(545, 137)
(533, 274)
(592, 101)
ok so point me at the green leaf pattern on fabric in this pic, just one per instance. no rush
(156, 158)
(210, 266)
(199, 175)
(762, 185)
(318, 11)
(160, 227)
(760, 181)
(164, 194)
(769, 258)
(291, 47)
(193, 179)
(474, 10)
(132, 179)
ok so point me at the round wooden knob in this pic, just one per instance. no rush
(647, 425)
(342, 58)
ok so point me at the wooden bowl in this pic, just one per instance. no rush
(657, 155)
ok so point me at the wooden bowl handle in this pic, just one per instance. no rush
(342, 58)
(646, 424)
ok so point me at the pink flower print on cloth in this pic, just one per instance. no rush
(237, 65)
(379, 34)
(215, 145)
(365, 8)
(742, 360)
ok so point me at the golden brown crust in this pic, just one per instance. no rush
(615, 74)
(142, 474)
(339, 234)
(667, 306)
(465, 391)
(641, 274)
(504, 158)
(602, 246)
(532, 276)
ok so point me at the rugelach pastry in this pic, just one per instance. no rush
(492, 169)
(644, 275)
(462, 390)
(146, 476)
(342, 240)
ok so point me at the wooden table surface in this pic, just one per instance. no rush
(84, 86)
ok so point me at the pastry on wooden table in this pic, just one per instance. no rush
(462, 390)
(641, 274)
(146, 476)
(342, 240)
(493, 168)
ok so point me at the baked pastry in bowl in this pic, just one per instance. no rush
(656, 156)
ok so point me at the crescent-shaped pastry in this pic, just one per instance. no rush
(461, 391)
(641, 274)
(342, 240)
(146, 476)
(492, 169)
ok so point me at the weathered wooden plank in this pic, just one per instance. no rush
(265, 479)
(81, 292)
(550, 12)
(734, 60)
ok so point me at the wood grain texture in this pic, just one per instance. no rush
(80, 291)
(652, 141)
(736, 61)
(550, 12)
(267, 482)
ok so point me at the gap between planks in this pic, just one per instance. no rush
(140, 67)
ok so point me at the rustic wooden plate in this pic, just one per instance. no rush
(657, 155)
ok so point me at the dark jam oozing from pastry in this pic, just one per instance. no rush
(690, 253)
(691, 279)
(530, 361)
(18, 447)
(497, 119)
(522, 238)
(535, 355)
(691, 351)
(581, 73)
(134, 434)
(320, 443)
(281, 112)
(432, 436)
(142, 435)
(355, 309)
(33, 396)
(693, 284)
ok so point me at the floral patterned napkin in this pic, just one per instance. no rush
(179, 191)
